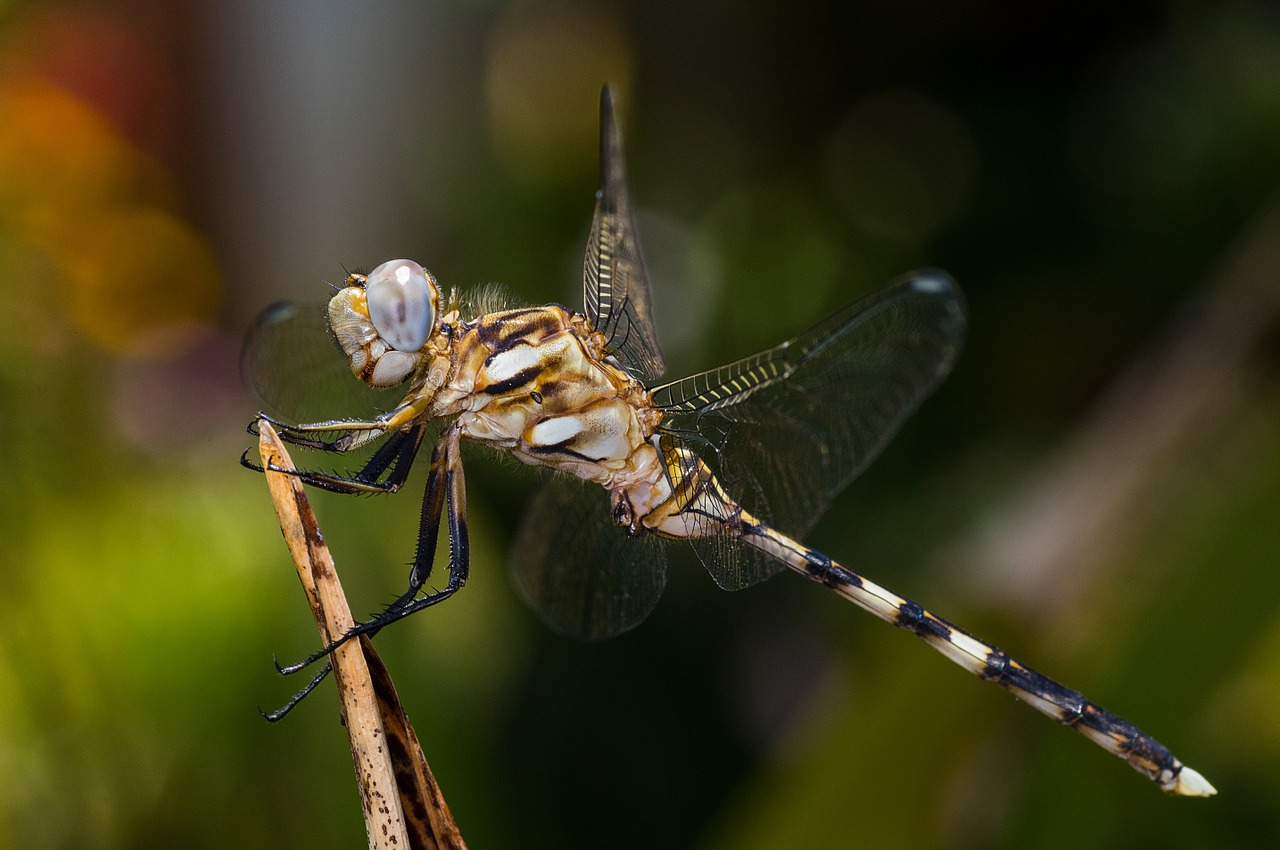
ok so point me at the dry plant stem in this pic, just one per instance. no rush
(375, 774)
(426, 813)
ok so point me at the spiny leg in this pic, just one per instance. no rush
(282, 711)
(397, 453)
(352, 433)
(445, 482)
(428, 533)
(355, 432)
(1107, 730)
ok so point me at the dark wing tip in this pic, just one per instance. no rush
(611, 165)
(608, 112)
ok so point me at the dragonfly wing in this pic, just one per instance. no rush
(711, 513)
(616, 293)
(291, 362)
(585, 577)
(788, 428)
(732, 565)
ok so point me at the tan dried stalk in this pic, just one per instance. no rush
(403, 806)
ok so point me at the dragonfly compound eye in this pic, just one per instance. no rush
(402, 303)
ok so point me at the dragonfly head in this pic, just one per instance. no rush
(383, 321)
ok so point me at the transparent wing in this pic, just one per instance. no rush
(713, 514)
(615, 287)
(584, 576)
(292, 364)
(788, 428)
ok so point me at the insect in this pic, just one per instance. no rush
(738, 461)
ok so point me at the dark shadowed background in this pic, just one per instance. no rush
(1096, 489)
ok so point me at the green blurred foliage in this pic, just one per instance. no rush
(1084, 171)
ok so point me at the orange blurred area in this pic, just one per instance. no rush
(104, 215)
(59, 157)
(138, 273)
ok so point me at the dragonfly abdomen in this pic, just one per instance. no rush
(1068, 707)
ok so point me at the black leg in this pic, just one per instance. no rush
(446, 463)
(397, 454)
(398, 451)
(279, 713)
(429, 523)
(353, 432)
(445, 483)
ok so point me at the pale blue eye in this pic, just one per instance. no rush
(401, 298)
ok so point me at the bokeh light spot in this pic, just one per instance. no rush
(58, 156)
(137, 272)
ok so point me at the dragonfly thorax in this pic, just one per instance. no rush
(536, 382)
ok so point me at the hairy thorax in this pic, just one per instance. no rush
(537, 382)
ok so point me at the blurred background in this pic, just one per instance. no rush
(1096, 488)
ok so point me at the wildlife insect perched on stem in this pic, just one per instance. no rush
(738, 461)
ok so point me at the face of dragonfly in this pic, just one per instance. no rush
(384, 320)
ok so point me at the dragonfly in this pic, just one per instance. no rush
(738, 461)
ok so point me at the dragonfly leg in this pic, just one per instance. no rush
(355, 429)
(282, 711)
(396, 454)
(351, 434)
(445, 483)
